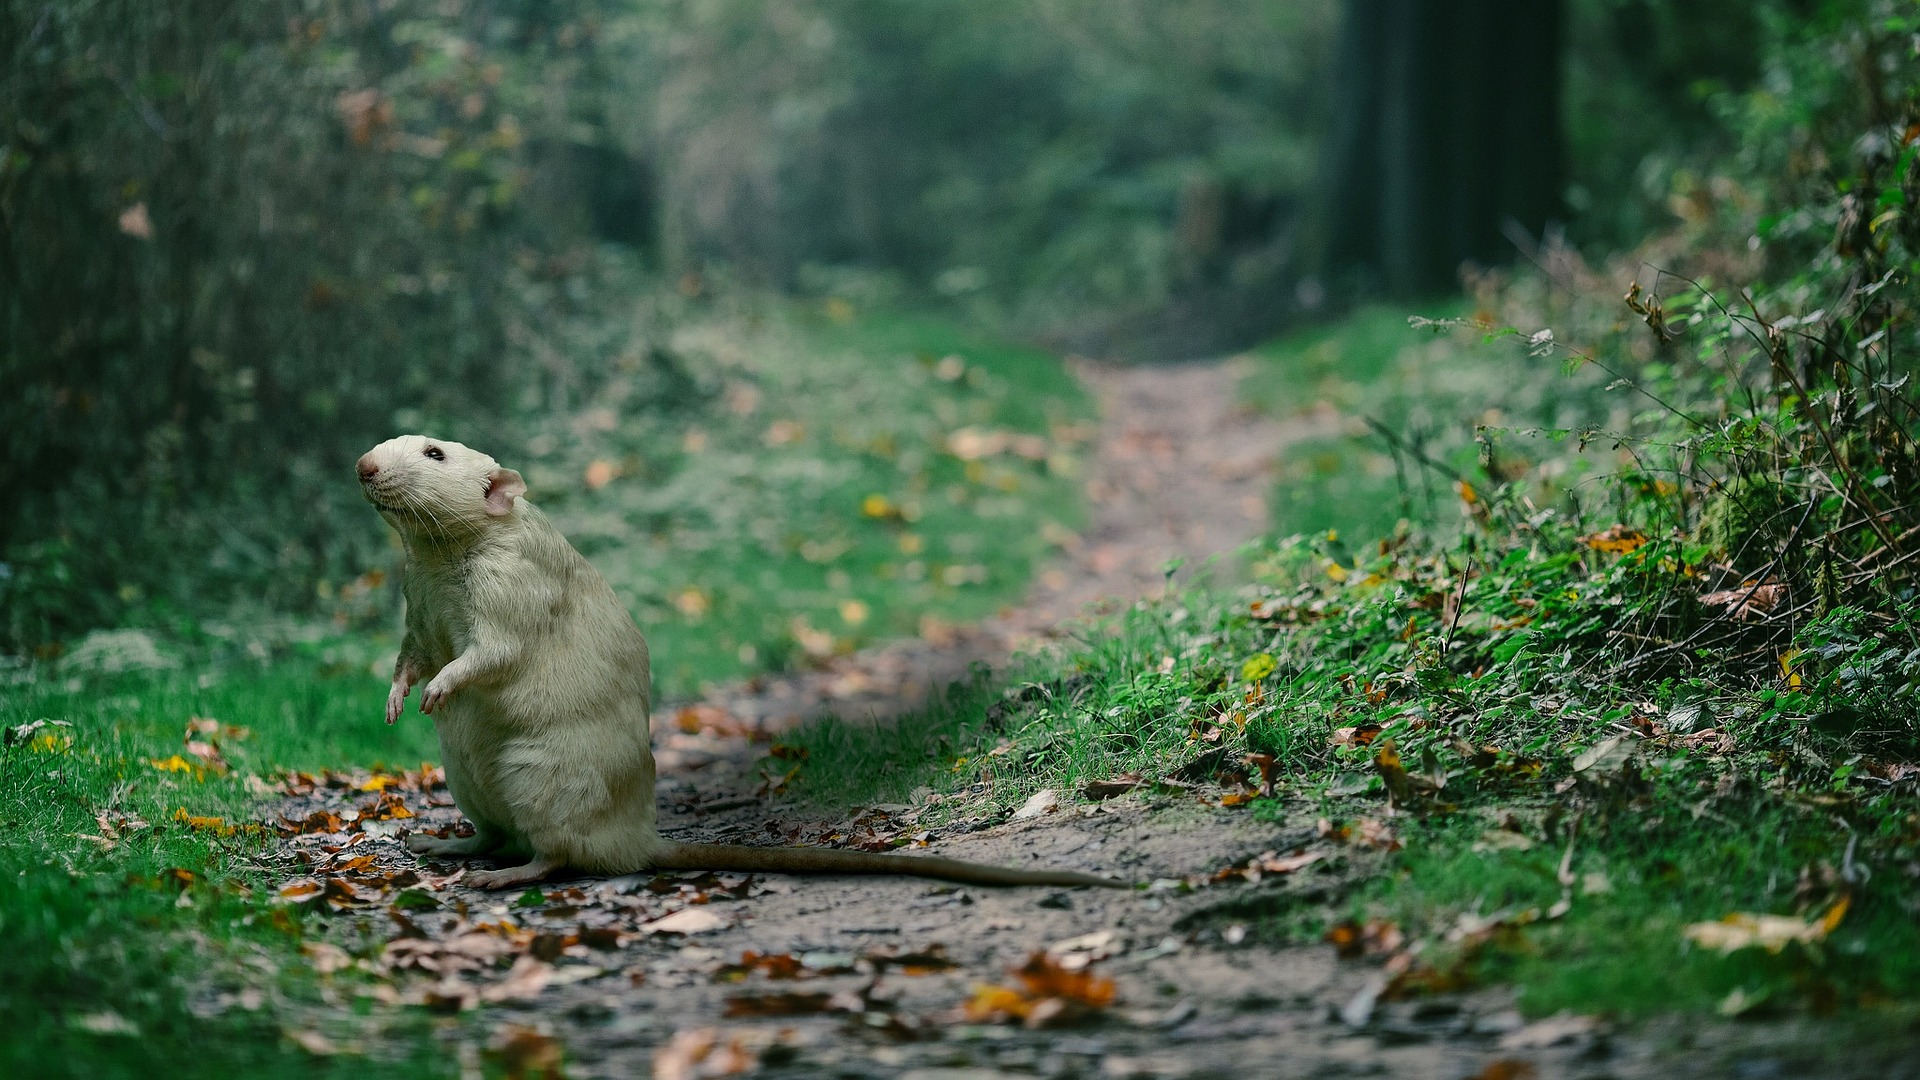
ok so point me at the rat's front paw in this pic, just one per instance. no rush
(396, 701)
(436, 695)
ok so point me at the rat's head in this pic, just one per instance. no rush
(436, 489)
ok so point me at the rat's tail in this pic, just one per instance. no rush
(791, 860)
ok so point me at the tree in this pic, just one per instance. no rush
(1446, 136)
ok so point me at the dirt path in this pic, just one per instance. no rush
(1180, 470)
(839, 977)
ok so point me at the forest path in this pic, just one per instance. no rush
(685, 976)
(1180, 469)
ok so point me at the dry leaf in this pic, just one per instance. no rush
(1750, 601)
(313, 1043)
(700, 1053)
(1113, 785)
(1554, 1030)
(524, 982)
(525, 1053)
(1617, 539)
(1773, 933)
(326, 959)
(1053, 996)
(691, 920)
(1044, 801)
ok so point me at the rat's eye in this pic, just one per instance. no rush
(435, 453)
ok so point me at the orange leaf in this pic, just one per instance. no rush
(1617, 539)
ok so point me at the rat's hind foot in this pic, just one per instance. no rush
(536, 870)
(460, 848)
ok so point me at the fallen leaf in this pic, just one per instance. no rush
(701, 1053)
(313, 1042)
(525, 1053)
(1616, 539)
(1113, 785)
(1052, 996)
(524, 982)
(1554, 1030)
(793, 1003)
(1607, 755)
(1360, 735)
(326, 959)
(1266, 764)
(928, 961)
(1078, 953)
(1751, 601)
(1044, 801)
(690, 920)
(1773, 933)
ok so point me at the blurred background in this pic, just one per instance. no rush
(727, 278)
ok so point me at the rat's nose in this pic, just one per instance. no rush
(368, 469)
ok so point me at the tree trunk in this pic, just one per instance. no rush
(1446, 135)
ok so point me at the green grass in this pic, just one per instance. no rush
(172, 917)
(815, 503)
(1502, 709)
(1439, 390)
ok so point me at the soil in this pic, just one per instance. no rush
(882, 969)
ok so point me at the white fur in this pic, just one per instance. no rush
(536, 675)
(536, 678)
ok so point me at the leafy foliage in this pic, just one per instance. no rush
(243, 243)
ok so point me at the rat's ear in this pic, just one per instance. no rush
(503, 486)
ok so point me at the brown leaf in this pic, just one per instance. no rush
(1266, 764)
(1617, 539)
(781, 1003)
(1750, 601)
(1376, 937)
(711, 719)
(928, 961)
(1361, 735)
(1052, 996)
(524, 982)
(695, 1054)
(208, 755)
(525, 1053)
(1399, 785)
(1113, 785)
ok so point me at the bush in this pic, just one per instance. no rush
(239, 243)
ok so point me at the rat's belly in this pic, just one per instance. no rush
(472, 763)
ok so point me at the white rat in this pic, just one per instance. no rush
(536, 678)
